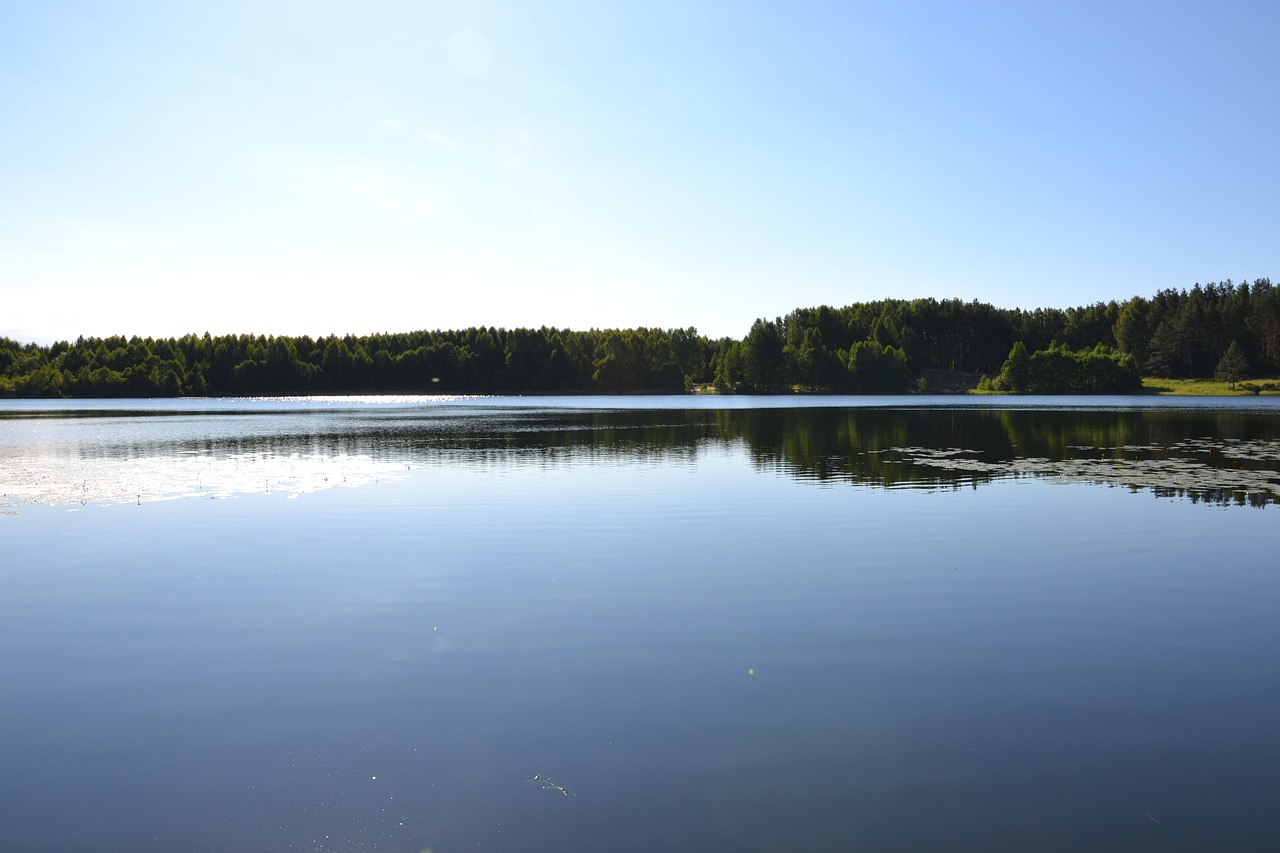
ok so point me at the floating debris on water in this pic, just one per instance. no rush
(550, 785)
(1153, 467)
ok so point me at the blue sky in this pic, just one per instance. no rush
(334, 167)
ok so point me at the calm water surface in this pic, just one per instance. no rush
(734, 624)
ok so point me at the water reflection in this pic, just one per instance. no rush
(819, 629)
(1225, 457)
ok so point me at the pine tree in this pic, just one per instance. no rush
(1232, 367)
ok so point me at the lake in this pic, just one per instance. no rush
(639, 624)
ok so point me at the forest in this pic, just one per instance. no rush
(1227, 330)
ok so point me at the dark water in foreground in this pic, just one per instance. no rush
(270, 625)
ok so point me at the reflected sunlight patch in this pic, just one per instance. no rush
(69, 480)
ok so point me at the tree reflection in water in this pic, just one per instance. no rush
(1222, 457)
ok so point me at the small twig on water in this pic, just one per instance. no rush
(548, 784)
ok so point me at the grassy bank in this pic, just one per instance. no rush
(1209, 387)
(954, 382)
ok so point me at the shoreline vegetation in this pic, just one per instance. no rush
(1220, 338)
(1210, 387)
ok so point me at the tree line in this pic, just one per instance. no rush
(886, 346)
(471, 361)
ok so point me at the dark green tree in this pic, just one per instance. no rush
(1015, 375)
(877, 369)
(763, 361)
(1233, 366)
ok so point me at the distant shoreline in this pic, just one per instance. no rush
(1151, 387)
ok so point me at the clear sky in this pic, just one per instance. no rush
(353, 167)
